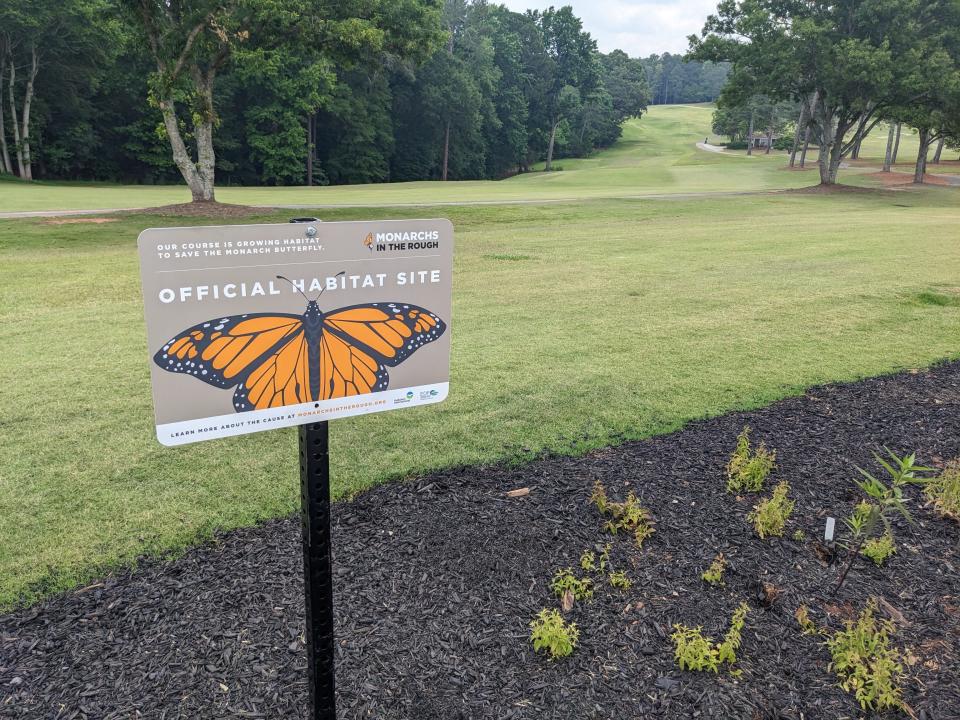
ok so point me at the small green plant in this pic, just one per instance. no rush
(620, 580)
(605, 557)
(629, 515)
(551, 634)
(598, 497)
(799, 535)
(694, 651)
(746, 470)
(565, 581)
(807, 626)
(727, 650)
(879, 549)
(714, 574)
(944, 490)
(866, 663)
(884, 500)
(770, 515)
(588, 561)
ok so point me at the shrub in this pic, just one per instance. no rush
(620, 580)
(714, 574)
(770, 515)
(598, 497)
(565, 581)
(693, 651)
(879, 549)
(551, 634)
(866, 664)
(944, 491)
(746, 470)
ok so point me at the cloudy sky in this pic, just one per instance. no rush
(638, 27)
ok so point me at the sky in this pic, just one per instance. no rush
(638, 27)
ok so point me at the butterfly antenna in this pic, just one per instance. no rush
(342, 272)
(281, 277)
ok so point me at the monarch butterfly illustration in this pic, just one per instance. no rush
(277, 359)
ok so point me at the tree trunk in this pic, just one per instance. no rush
(27, 102)
(5, 166)
(769, 139)
(887, 159)
(203, 135)
(829, 157)
(811, 112)
(936, 154)
(446, 151)
(921, 168)
(553, 136)
(13, 116)
(801, 121)
(896, 144)
(750, 136)
(181, 157)
(310, 146)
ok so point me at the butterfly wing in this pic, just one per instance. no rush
(388, 332)
(346, 369)
(281, 378)
(224, 352)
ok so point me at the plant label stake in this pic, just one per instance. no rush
(829, 529)
(224, 309)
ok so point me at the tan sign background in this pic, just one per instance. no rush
(200, 275)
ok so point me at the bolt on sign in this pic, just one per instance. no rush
(256, 327)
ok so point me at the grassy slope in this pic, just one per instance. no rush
(575, 325)
(656, 155)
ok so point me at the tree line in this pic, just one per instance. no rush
(843, 67)
(294, 91)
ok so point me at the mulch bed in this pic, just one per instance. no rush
(201, 209)
(437, 579)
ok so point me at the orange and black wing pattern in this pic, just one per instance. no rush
(225, 352)
(344, 369)
(387, 332)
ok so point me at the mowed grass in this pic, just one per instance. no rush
(575, 326)
(657, 155)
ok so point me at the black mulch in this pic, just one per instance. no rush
(436, 581)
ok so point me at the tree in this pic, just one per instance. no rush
(192, 41)
(859, 56)
(57, 38)
(574, 67)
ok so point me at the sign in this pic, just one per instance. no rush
(256, 327)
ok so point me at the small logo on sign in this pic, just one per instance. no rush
(368, 242)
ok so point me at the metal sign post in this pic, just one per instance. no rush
(317, 569)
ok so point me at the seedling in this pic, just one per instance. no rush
(549, 633)
(714, 574)
(565, 581)
(879, 549)
(807, 626)
(799, 535)
(866, 663)
(588, 561)
(693, 651)
(885, 499)
(620, 580)
(629, 515)
(944, 491)
(605, 557)
(746, 470)
(770, 515)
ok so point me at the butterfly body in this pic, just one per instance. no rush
(278, 359)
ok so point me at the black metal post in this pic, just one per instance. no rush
(317, 569)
